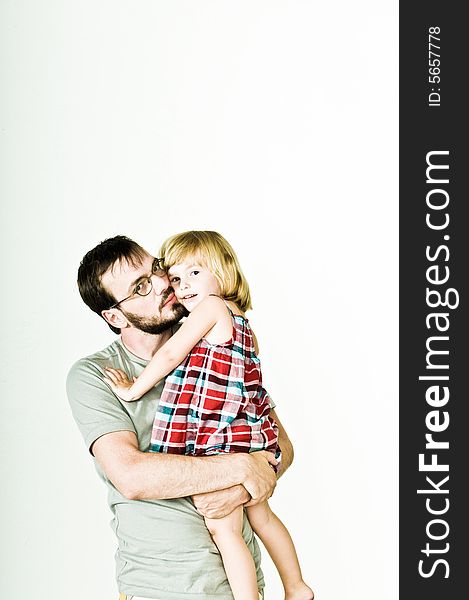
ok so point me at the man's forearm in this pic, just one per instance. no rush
(145, 475)
(166, 476)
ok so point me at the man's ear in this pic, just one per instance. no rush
(114, 317)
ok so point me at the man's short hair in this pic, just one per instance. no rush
(96, 262)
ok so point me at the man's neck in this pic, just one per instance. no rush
(144, 345)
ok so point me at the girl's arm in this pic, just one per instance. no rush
(200, 321)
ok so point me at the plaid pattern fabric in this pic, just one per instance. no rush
(214, 401)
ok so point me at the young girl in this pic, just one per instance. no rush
(213, 400)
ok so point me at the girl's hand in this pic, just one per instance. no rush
(119, 383)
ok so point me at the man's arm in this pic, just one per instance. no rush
(285, 446)
(109, 433)
(216, 505)
(146, 475)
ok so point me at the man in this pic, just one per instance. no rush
(164, 549)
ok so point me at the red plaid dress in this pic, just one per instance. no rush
(214, 401)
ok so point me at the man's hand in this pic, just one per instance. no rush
(216, 505)
(260, 479)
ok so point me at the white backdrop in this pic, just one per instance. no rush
(272, 122)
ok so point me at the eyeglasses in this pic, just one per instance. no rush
(145, 284)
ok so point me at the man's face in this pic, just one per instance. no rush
(154, 313)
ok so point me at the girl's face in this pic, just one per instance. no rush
(192, 282)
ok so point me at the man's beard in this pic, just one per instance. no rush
(157, 325)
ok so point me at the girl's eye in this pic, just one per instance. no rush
(195, 272)
(173, 279)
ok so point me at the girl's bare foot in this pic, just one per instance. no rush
(299, 592)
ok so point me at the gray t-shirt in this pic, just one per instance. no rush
(164, 549)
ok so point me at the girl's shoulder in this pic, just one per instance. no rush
(212, 308)
(230, 306)
(214, 301)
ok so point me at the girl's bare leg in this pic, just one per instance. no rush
(237, 560)
(275, 537)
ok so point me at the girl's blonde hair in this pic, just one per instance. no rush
(214, 253)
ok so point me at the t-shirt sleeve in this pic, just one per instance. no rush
(95, 408)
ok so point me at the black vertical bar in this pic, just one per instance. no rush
(433, 119)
